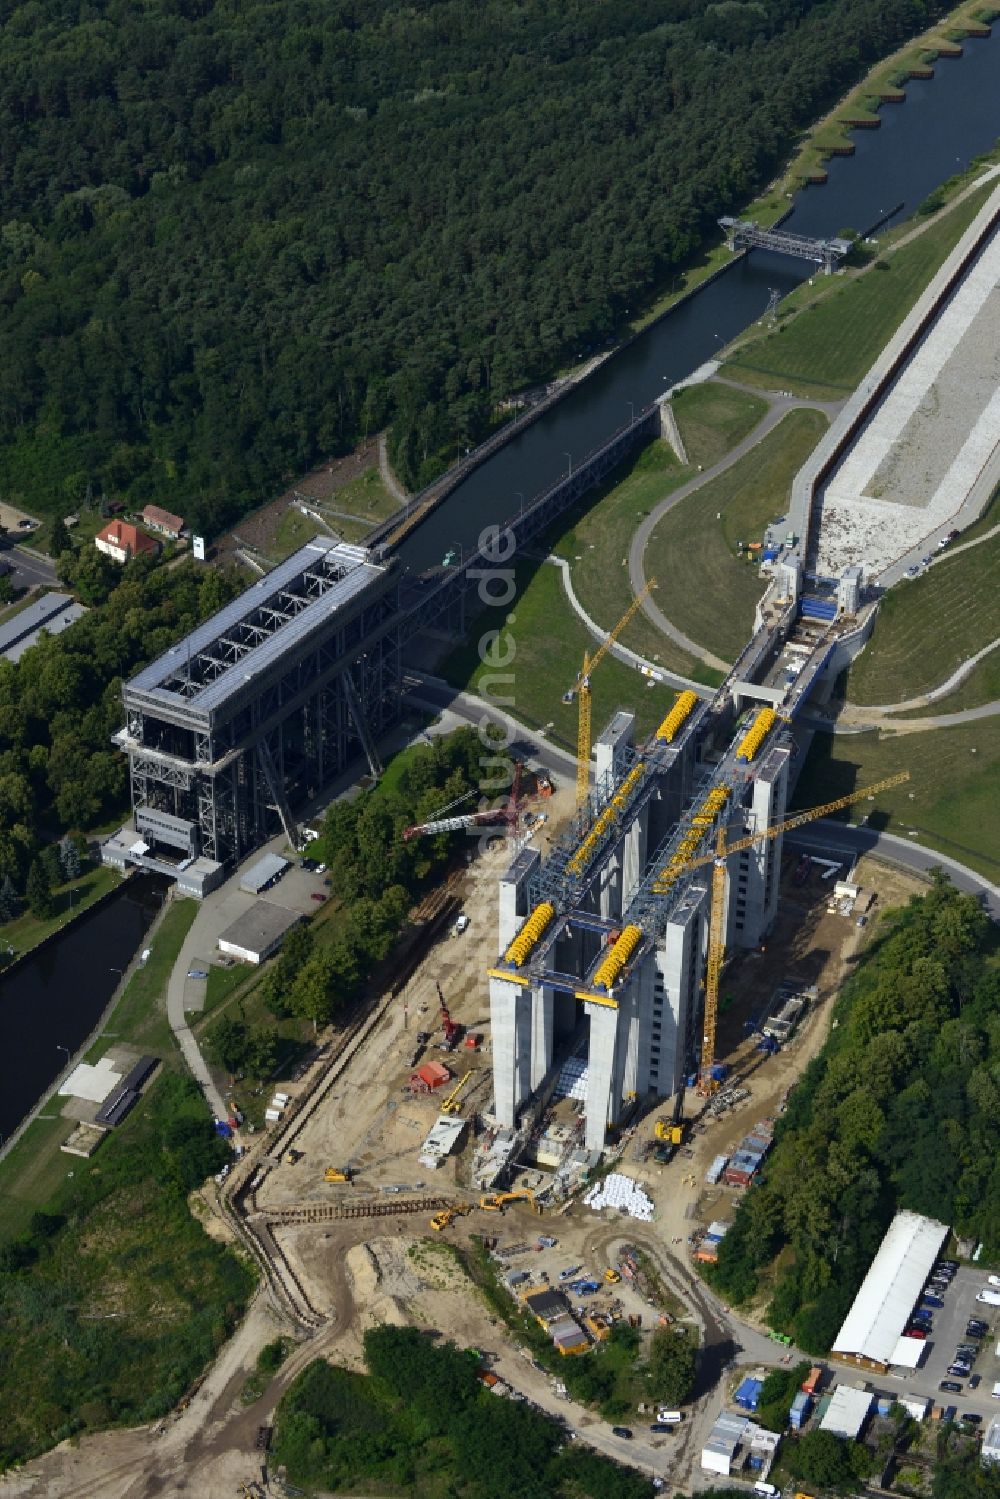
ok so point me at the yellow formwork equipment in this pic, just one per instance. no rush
(756, 734)
(530, 933)
(685, 851)
(616, 959)
(607, 819)
(679, 714)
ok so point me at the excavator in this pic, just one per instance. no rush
(338, 1174)
(497, 1201)
(457, 1210)
(673, 1133)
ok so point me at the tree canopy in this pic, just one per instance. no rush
(235, 239)
(901, 1109)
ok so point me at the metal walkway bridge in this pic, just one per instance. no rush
(744, 234)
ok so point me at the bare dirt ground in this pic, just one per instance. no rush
(260, 526)
(361, 1272)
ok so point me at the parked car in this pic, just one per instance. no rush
(621, 1431)
(951, 1386)
(934, 1302)
(317, 896)
(975, 1381)
(972, 1418)
(993, 1280)
(920, 1333)
(661, 1426)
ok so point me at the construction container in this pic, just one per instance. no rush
(429, 1077)
(714, 1172)
(272, 1115)
(799, 1413)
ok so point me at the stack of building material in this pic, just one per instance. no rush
(572, 1080)
(708, 1250)
(714, 1172)
(621, 1192)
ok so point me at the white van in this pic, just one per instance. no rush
(991, 1298)
(669, 1418)
(768, 1490)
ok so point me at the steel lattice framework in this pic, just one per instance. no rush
(267, 702)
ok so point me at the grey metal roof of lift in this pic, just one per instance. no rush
(358, 574)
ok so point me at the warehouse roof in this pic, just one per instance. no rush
(847, 1412)
(891, 1288)
(259, 928)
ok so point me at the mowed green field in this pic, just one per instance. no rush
(840, 325)
(951, 802)
(713, 418)
(926, 627)
(981, 686)
(549, 644)
(704, 587)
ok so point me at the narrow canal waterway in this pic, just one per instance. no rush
(50, 1003)
(945, 122)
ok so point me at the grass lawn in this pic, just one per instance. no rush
(927, 626)
(141, 1014)
(713, 418)
(952, 798)
(223, 983)
(840, 324)
(30, 1172)
(704, 587)
(26, 931)
(549, 646)
(365, 497)
(596, 541)
(982, 685)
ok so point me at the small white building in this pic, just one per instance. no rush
(442, 1140)
(990, 1451)
(735, 1440)
(258, 933)
(847, 1412)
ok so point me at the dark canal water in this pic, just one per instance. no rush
(54, 1000)
(945, 122)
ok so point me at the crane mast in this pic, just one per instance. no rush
(716, 922)
(583, 693)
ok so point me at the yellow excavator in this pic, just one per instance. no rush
(673, 1133)
(497, 1201)
(338, 1174)
(457, 1210)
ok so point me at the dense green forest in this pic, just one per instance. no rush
(421, 1424)
(62, 701)
(116, 1298)
(233, 238)
(901, 1109)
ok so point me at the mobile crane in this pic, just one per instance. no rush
(496, 1202)
(583, 694)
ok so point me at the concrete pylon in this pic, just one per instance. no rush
(510, 1019)
(542, 1017)
(602, 1104)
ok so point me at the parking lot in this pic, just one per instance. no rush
(948, 1331)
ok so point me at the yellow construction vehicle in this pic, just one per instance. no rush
(293, 1156)
(673, 1133)
(583, 694)
(451, 1104)
(338, 1174)
(612, 1276)
(497, 1201)
(457, 1210)
(716, 926)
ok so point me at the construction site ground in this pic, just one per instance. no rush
(360, 1271)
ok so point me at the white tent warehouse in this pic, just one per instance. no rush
(873, 1328)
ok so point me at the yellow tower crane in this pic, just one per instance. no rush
(583, 691)
(716, 923)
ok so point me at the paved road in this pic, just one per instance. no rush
(622, 652)
(31, 570)
(432, 692)
(778, 407)
(826, 834)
